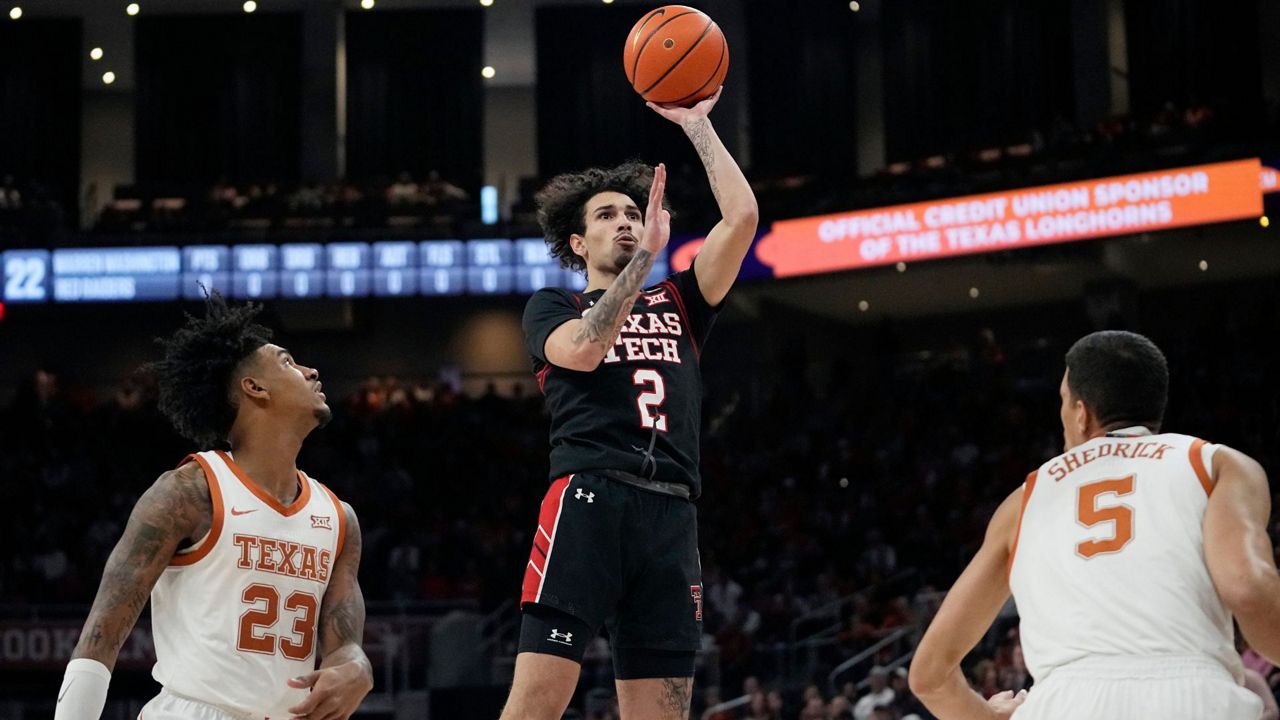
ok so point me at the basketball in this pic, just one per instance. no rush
(676, 55)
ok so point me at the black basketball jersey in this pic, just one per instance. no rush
(646, 393)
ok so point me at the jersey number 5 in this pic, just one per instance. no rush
(1089, 514)
(264, 611)
(649, 400)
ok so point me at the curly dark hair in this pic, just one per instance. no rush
(194, 377)
(562, 203)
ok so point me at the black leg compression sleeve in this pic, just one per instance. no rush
(550, 631)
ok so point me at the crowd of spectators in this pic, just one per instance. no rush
(848, 497)
(431, 202)
(1060, 151)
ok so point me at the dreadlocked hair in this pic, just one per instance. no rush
(562, 203)
(194, 376)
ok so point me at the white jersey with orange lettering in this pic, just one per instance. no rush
(1108, 563)
(235, 616)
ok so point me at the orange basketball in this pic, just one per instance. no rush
(676, 55)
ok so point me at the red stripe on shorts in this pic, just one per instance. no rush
(544, 539)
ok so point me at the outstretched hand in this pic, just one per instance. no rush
(685, 115)
(657, 220)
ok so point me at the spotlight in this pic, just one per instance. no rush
(608, 2)
(1264, 221)
(863, 305)
(108, 77)
(95, 54)
(1204, 265)
(487, 72)
(855, 6)
(973, 293)
(15, 13)
(902, 267)
(132, 9)
(366, 4)
(486, 3)
(250, 6)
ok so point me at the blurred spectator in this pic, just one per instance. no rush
(879, 695)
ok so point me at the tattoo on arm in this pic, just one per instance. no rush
(600, 327)
(342, 612)
(174, 509)
(674, 701)
(700, 133)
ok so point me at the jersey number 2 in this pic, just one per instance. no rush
(650, 400)
(1089, 514)
(264, 617)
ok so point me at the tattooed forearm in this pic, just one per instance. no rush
(345, 623)
(700, 133)
(600, 326)
(176, 508)
(674, 701)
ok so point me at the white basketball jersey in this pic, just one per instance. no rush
(1109, 554)
(235, 616)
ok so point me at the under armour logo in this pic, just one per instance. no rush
(589, 496)
(656, 299)
(559, 637)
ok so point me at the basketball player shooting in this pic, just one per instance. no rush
(616, 542)
(241, 554)
(1127, 555)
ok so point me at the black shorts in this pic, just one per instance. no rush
(609, 553)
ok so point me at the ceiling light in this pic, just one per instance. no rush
(487, 72)
(95, 54)
(132, 9)
(15, 13)
(108, 77)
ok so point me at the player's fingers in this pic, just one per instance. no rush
(304, 681)
(308, 705)
(328, 710)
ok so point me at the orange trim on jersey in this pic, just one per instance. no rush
(304, 495)
(1197, 464)
(1026, 495)
(197, 553)
(342, 519)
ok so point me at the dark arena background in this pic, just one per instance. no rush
(950, 194)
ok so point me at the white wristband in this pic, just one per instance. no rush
(84, 690)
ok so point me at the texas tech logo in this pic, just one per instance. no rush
(696, 592)
(656, 298)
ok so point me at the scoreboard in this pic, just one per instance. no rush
(394, 268)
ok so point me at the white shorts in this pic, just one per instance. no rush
(167, 706)
(1135, 688)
